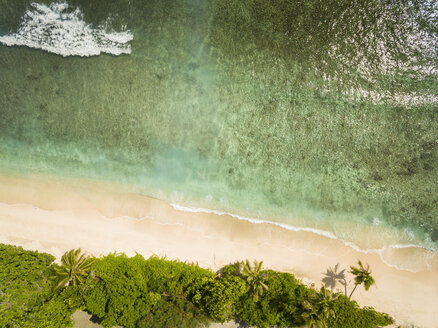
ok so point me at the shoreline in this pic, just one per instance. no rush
(316, 231)
(54, 215)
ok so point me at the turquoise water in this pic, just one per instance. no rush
(312, 114)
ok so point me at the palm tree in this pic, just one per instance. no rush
(361, 276)
(75, 267)
(316, 315)
(326, 299)
(332, 276)
(254, 277)
(311, 316)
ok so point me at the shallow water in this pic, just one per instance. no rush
(312, 115)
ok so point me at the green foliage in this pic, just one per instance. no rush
(280, 304)
(325, 303)
(26, 292)
(23, 283)
(134, 292)
(254, 278)
(216, 297)
(178, 313)
(58, 310)
(231, 269)
(348, 314)
(74, 269)
(311, 316)
(171, 277)
(118, 293)
(361, 276)
(317, 314)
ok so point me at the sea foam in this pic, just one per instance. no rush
(384, 252)
(53, 29)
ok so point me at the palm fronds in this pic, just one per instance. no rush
(254, 278)
(74, 268)
(363, 276)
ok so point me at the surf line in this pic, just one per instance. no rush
(298, 229)
(53, 29)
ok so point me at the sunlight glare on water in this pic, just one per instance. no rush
(311, 114)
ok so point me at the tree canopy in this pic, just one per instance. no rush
(136, 292)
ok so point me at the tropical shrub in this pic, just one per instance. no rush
(177, 313)
(131, 291)
(280, 304)
(171, 278)
(57, 311)
(23, 283)
(216, 297)
(134, 292)
(27, 297)
(349, 314)
(118, 293)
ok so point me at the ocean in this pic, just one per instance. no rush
(313, 115)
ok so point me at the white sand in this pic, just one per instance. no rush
(54, 215)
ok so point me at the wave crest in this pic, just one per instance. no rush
(408, 257)
(52, 29)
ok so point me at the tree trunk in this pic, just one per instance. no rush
(355, 286)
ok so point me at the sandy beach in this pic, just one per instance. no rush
(55, 215)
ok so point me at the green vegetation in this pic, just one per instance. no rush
(361, 275)
(139, 293)
(349, 314)
(325, 304)
(74, 268)
(27, 297)
(254, 277)
(176, 313)
(119, 294)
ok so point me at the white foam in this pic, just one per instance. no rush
(52, 29)
(382, 252)
(324, 233)
(253, 220)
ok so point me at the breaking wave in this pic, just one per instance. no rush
(53, 29)
(408, 257)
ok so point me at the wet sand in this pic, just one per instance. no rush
(56, 214)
